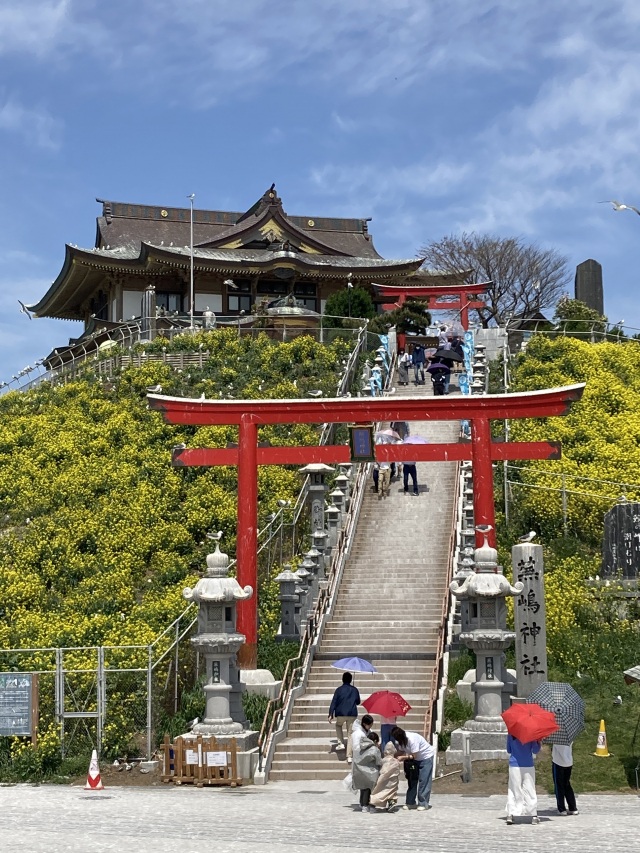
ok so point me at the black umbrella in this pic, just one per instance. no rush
(450, 354)
(566, 704)
(438, 366)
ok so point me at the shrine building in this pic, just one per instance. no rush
(240, 261)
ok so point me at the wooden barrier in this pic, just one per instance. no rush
(200, 760)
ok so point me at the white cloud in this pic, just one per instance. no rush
(36, 125)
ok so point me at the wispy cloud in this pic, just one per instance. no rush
(36, 125)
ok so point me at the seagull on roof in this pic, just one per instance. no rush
(618, 205)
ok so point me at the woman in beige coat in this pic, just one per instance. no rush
(385, 793)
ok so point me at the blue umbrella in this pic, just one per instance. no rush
(354, 664)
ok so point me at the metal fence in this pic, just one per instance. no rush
(109, 350)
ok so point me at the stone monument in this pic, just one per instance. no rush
(483, 594)
(529, 617)
(217, 640)
(588, 285)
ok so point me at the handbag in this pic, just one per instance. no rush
(411, 770)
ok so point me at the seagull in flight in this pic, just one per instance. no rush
(617, 205)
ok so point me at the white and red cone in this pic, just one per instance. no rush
(94, 782)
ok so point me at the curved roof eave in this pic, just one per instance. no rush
(40, 306)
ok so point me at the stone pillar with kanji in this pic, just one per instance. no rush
(529, 617)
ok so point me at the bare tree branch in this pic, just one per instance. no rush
(526, 279)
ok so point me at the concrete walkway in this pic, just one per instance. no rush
(388, 608)
(295, 817)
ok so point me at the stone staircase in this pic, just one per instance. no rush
(387, 610)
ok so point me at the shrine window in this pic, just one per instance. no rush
(304, 289)
(239, 302)
(99, 306)
(275, 288)
(170, 302)
(306, 294)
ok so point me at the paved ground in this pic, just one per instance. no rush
(293, 817)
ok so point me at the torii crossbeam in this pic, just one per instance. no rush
(248, 415)
(460, 298)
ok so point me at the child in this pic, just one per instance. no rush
(385, 793)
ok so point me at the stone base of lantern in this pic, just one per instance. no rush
(485, 743)
(246, 745)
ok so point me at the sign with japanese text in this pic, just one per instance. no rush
(621, 542)
(530, 618)
(361, 442)
(16, 703)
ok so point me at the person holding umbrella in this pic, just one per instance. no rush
(527, 724)
(344, 710)
(388, 705)
(521, 797)
(561, 767)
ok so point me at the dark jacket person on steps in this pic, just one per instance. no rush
(344, 710)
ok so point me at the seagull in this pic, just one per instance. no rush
(528, 537)
(217, 537)
(618, 700)
(617, 205)
(195, 720)
(181, 446)
(483, 528)
(24, 309)
(316, 393)
(155, 389)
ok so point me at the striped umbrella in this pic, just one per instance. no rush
(566, 704)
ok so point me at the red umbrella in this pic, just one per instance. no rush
(386, 703)
(529, 722)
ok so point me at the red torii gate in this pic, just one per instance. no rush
(432, 294)
(248, 415)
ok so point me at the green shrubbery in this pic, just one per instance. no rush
(99, 534)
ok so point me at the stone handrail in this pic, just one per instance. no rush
(296, 671)
(437, 674)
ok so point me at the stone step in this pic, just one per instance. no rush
(304, 775)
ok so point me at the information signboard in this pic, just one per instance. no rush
(18, 703)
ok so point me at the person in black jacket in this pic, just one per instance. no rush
(344, 710)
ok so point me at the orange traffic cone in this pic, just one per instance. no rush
(601, 748)
(94, 782)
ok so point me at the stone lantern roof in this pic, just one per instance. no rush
(216, 585)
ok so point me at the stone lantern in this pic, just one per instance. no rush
(320, 537)
(342, 485)
(483, 594)
(333, 521)
(217, 639)
(317, 472)
(288, 600)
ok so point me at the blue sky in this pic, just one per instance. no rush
(432, 117)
